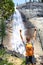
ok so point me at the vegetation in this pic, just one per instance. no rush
(41, 0)
(24, 62)
(3, 26)
(6, 10)
(30, 0)
(5, 62)
(2, 52)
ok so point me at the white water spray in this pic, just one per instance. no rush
(16, 41)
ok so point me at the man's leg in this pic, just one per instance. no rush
(30, 59)
(26, 60)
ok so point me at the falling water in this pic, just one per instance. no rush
(16, 41)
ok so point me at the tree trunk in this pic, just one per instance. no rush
(1, 43)
(41, 0)
(29, 0)
(33, 0)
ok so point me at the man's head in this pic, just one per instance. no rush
(35, 29)
(27, 39)
(20, 31)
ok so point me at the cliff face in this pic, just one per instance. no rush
(38, 23)
(8, 36)
(34, 21)
(33, 9)
(30, 5)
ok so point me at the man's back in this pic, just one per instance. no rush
(29, 49)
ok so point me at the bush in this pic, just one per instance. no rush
(24, 62)
(2, 52)
(5, 62)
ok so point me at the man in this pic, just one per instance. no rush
(29, 48)
(34, 35)
(29, 52)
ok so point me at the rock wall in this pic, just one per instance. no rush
(33, 9)
(30, 5)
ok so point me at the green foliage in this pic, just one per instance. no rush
(3, 28)
(24, 62)
(6, 8)
(5, 62)
(2, 52)
(10, 64)
(41, 0)
(2, 62)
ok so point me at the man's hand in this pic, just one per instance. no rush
(21, 35)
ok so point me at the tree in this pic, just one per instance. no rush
(6, 10)
(3, 26)
(29, 0)
(41, 0)
(33, 0)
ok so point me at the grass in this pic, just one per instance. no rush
(2, 52)
(7, 59)
(23, 62)
(4, 61)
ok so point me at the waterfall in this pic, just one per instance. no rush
(16, 41)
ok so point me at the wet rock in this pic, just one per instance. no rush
(41, 58)
(14, 53)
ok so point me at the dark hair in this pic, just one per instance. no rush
(20, 30)
(27, 39)
(35, 29)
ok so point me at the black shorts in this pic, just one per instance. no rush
(29, 59)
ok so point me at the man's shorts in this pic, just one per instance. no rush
(29, 59)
